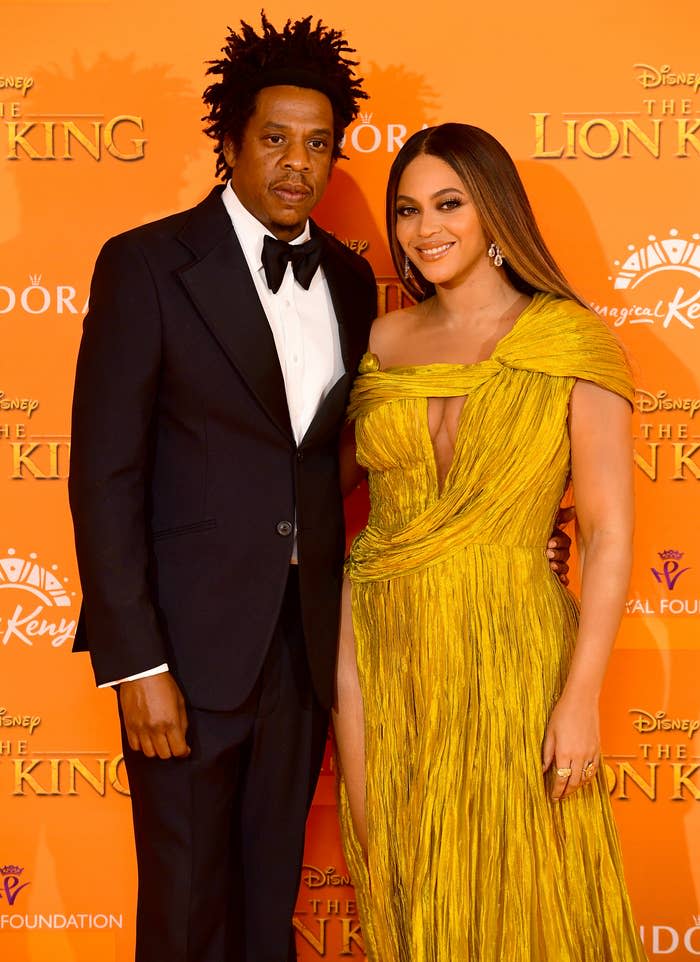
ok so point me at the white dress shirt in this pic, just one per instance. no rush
(304, 328)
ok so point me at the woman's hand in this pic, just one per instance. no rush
(572, 744)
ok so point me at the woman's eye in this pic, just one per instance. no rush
(451, 203)
(405, 211)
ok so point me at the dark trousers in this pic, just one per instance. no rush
(220, 834)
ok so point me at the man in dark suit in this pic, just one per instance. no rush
(211, 385)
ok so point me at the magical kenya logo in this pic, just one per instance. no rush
(662, 277)
(35, 603)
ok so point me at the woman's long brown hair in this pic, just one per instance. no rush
(489, 175)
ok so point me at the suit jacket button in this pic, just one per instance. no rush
(284, 528)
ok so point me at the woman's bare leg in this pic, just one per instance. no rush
(348, 721)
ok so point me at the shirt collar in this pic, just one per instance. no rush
(249, 231)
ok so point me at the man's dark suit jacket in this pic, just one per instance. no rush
(185, 476)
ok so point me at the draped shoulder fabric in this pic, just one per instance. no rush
(463, 641)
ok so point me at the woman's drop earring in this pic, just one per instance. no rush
(496, 254)
(406, 266)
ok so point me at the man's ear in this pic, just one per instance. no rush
(229, 152)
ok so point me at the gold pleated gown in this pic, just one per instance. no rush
(463, 641)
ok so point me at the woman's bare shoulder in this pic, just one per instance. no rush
(389, 331)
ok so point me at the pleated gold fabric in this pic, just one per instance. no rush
(463, 640)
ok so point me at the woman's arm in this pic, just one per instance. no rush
(601, 467)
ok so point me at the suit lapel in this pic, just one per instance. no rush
(341, 286)
(224, 294)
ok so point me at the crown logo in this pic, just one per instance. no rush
(366, 118)
(673, 253)
(670, 554)
(11, 869)
(30, 576)
(35, 280)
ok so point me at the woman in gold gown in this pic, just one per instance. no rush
(474, 809)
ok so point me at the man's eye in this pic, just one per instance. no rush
(274, 138)
(319, 144)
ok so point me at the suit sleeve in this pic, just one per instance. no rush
(370, 283)
(113, 413)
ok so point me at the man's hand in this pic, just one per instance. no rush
(154, 716)
(559, 545)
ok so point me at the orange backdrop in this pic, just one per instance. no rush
(100, 130)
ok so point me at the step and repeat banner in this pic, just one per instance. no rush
(100, 129)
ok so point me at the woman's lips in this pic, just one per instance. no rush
(434, 252)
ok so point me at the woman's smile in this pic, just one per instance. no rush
(433, 252)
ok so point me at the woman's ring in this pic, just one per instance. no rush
(563, 772)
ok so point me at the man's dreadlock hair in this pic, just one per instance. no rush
(300, 54)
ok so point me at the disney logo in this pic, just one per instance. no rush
(651, 77)
(648, 403)
(316, 878)
(24, 84)
(19, 721)
(646, 723)
(25, 404)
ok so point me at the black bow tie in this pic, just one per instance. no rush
(305, 259)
